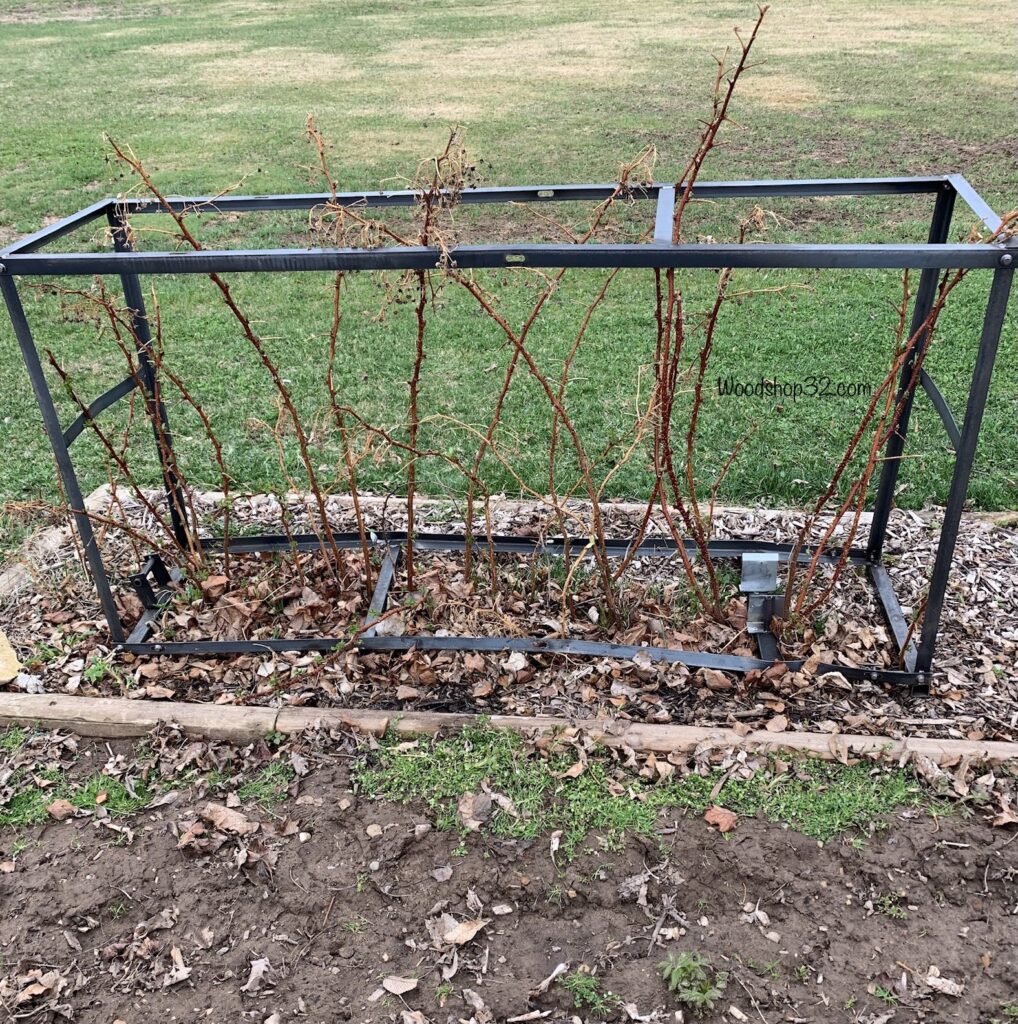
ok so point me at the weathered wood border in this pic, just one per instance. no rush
(116, 718)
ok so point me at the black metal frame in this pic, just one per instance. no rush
(154, 578)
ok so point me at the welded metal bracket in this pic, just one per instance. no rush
(153, 598)
(760, 585)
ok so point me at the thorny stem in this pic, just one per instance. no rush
(901, 355)
(255, 341)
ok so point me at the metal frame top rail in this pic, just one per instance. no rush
(809, 187)
(471, 257)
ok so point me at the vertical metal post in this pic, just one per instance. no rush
(65, 467)
(993, 322)
(925, 296)
(134, 298)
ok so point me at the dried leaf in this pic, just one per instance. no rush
(474, 810)
(516, 662)
(179, 972)
(227, 820)
(255, 980)
(546, 984)
(9, 664)
(946, 986)
(60, 810)
(716, 681)
(399, 986)
(723, 818)
(213, 587)
(464, 931)
(391, 625)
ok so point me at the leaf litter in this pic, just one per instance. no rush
(975, 690)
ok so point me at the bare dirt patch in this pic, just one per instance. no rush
(190, 48)
(279, 65)
(234, 891)
(29, 14)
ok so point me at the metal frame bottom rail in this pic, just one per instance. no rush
(154, 600)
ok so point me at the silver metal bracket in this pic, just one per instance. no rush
(759, 583)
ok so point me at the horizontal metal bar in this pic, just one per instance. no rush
(467, 257)
(653, 547)
(499, 645)
(57, 230)
(552, 193)
(940, 404)
(104, 401)
(975, 202)
(892, 609)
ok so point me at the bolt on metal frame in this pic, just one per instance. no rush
(24, 259)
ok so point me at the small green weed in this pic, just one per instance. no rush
(28, 804)
(885, 995)
(43, 654)
(585, 988)
(693, 981)
(269, 787)
(98, 670)
(13, 739)
(890, 906)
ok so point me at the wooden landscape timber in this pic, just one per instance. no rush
(117, 718)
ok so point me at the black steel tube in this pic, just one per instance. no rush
(68, 477)
(22, 258)
(975, 202)
(104, 401)
(552, 193)
(993, 323)
(925, 296)
(386, 573)
(54, 231)
(892, 611)
(939, 403)
(470, 257)
(135, 300)
(498, 645)
(664, 216)
(652, 547)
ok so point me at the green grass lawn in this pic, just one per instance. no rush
(212, 93)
